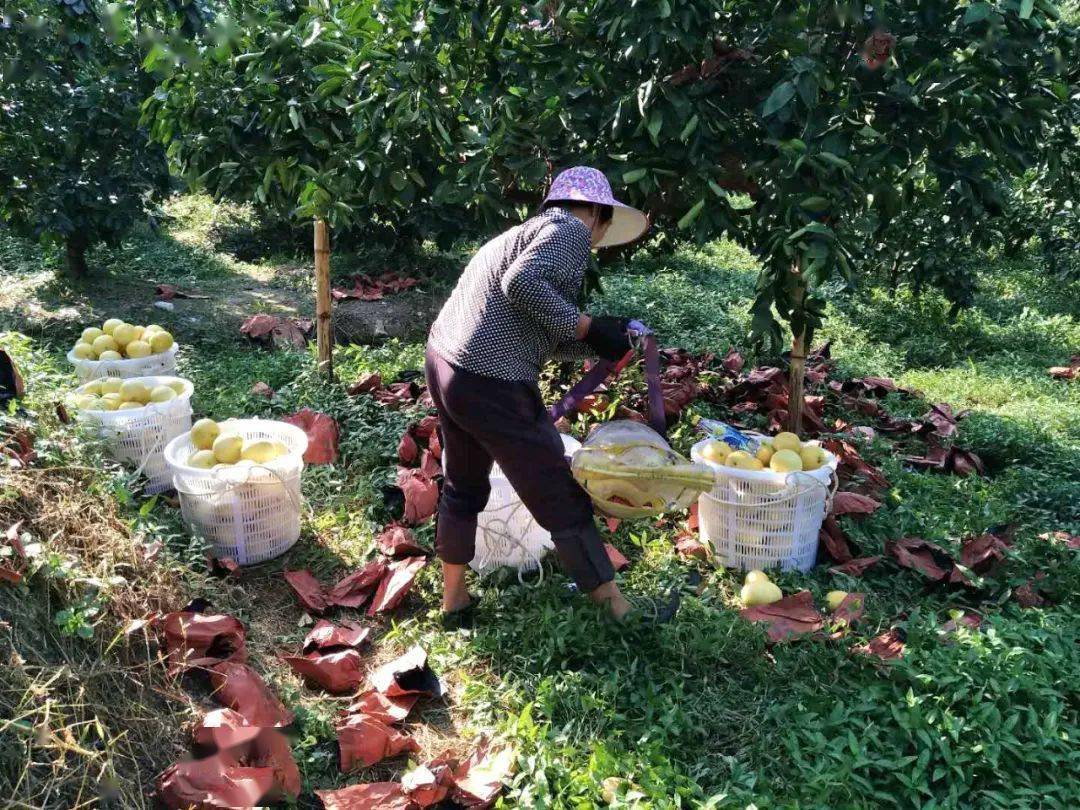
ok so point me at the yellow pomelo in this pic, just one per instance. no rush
(812, 457)
(134, 391)
(149, 330)
(137, 331)
(742, 460)
(716, 451)
(786, 441)
(204, 432)
(123, 334)
(160, 342)
(87, 402)
(84, 351)
(204, 459)
(179, 386)
(756, 576)
(90, 333)
(260, 451)
(760, 593)
(93, 387)
(765, 451)
(137, 349)
(110, 402)
(110, 355)
(227, 447)
(834, 598)
(785, 461)
(111, 385)
(129, 406)
(104, 343)
(110, 324)
(161, 393)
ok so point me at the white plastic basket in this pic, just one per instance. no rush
(763, 519)
(506, 532)
(137, 437)
(248, 513)
(162, 363)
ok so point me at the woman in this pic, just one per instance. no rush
(513, 310)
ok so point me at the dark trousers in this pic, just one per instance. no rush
(483, 419)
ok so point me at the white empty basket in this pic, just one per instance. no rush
(155, 364)
(762, 519)
(506, 532)
(137, 437)
(249, 513)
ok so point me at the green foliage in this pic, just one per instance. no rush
(76, 167)
(825, 135)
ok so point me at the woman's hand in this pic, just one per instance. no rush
(582, 328)
(608, 336)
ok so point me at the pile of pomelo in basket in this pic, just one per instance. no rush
(116, 340)
(216, 448)
(783, 453)
(115, 394)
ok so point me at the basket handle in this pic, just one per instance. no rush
(605, 368)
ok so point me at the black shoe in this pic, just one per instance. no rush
(460, 619)
(655, 611)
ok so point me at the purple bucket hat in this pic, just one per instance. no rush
(587, 185)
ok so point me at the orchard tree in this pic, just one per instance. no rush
(803, 129)
(75, 166)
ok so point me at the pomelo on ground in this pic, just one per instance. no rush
(786, 461)
(786, 441)
(204, 432)
(834, 598)
(756, 576)
(760, 593)
(227, 447)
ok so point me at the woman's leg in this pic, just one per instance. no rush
(466, 487)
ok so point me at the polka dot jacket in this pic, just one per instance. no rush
(514, 306)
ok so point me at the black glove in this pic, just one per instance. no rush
(608, 336)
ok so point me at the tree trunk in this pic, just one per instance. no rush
(797, 367)
(76, 246)
(324, 327)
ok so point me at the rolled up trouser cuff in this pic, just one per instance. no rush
(581, 552)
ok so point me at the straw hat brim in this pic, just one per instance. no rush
(627, 224)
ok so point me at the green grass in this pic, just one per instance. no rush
(700, 713)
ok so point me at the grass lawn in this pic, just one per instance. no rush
(699, 713)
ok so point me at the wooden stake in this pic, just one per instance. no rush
(324, 327)
(797, 366)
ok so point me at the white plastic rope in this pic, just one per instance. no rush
(500, 544)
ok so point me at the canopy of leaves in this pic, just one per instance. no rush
(75, 165)
(812, 131)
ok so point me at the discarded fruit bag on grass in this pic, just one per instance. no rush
(364, 741)
(336, 672)
(322, 434)
(239, 687)
(630, 471)
(213, 782)
(408, 674)
(370, 796)
(201, 640)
